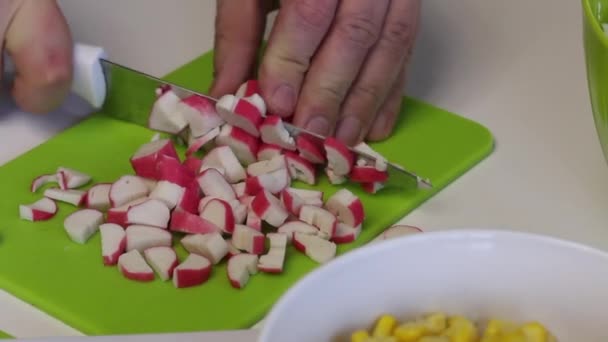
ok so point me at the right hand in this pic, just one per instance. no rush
(37, 38)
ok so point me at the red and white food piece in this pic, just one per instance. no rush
(113, 242)
(269, 208)
(41, 210)
(212, 246)
(133, 266)
(165, 116)
(381, 163)
(149, 213)
(397, 231)
(71, 179)
(145, 158)
(258, 102)
(309, 150)
(244, 145)
(186, 222)
(372, 188)
(292, 201)
(240, 113)
(246, 201)
(316, 248)
(43, 180)
(200, 114)
(220, 214)
(150, 183)
(213, 184)
(300, 168)
(118, 215)
(240, 212)
(320, 218)
(274, 182)
(346, 233)
(195, 144)
(168, 193)
(98, 196)
(239, 189)
(82, 224)
(143, 237)
(74, 197)
(172, 170)
(309, 196)
(333, 178)
(268, 151)
(339, 158)
(193, 164)
(248, 88)
(248, 239)
(274, 132)
(253, 220)
(240, 268)
(367, 174)
(126, 189)
(347, 207)
(267, 166)
(224, 158)
(190, 198)
(163, 261)
(232, 251)
(193, 271)
(297, 226)
(272, 262)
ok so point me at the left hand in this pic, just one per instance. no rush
(338, 66)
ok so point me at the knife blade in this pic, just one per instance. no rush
(132, 94)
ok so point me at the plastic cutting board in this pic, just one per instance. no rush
(39, 264)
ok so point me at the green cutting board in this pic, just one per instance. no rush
(4, 335)
(39, 264)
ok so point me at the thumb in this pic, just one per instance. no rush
(239, 28)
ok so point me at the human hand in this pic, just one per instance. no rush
(38, 40)
(338, 66)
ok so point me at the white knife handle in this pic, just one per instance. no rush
(88, 80)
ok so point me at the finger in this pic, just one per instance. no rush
(298, 31)
(385, 120)
(40, 45)
(239, 28)
(379, 71)
(356, 29)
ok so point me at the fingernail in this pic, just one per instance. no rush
(283, 99)
(319, 125)
(379, 127)
(349, 130)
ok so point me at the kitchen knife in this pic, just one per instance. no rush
(128, 94)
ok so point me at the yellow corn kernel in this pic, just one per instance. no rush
(496, 327)
(385, 326)
(434, 339)
(461, 330)
(534, 332)
(514, 336)
(359, 336)
(410, 331)
(490, 339)
(436, 323)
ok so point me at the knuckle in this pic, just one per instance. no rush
(312, 14)
(369, 93)
(398, 34)
(359, 29)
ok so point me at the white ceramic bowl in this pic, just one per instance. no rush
(476, 273)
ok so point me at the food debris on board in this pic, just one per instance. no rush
(440, 327)
(226, 206)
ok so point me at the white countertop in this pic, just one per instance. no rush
(515, 66)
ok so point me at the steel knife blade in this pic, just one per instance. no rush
(131, 94)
